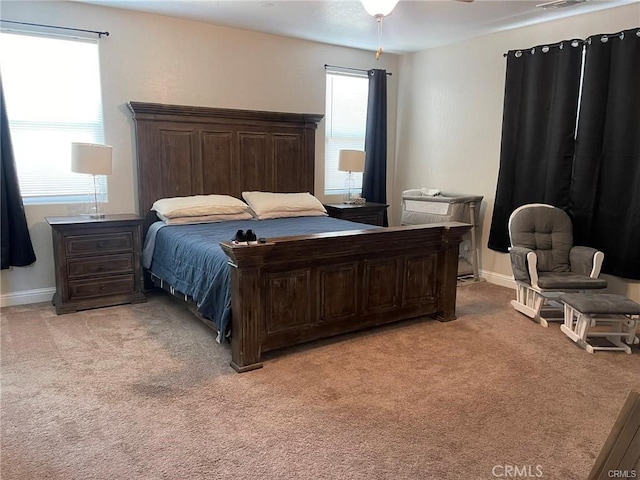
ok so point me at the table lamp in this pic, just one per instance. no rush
(94, 160)
(350, 161)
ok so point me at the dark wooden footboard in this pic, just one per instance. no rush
(296, 289)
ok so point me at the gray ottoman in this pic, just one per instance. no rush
(612, 317)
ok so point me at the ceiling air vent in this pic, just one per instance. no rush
(561, 3)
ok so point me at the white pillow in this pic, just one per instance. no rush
(286, 214)
(199, 205)
(275, 205)
(204, 218)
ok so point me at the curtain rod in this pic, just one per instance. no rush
(575, 42)
(604, 37)
(326, 65)
(100, 34)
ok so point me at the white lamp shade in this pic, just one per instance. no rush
(351, 161)
(379, 7)
(91, 158)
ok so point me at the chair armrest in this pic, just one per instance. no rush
(520, 265)
(586, 261)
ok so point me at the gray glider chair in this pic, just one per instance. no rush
(545, 263)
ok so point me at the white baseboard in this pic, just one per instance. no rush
(27, 296)
(498, 279)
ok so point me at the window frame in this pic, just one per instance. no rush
(341, 139)
(69, 187)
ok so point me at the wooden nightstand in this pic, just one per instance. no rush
(371, 213)
(97, 261)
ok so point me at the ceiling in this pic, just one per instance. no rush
(412, 26)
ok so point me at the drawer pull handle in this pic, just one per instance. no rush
(101, 268)
(100, 244)
(103, 287)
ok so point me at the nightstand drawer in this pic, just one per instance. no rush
(371, 213)
(101, 287)
(374, 219)
(104, 243)
(104, 265)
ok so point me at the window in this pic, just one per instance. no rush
(345, 125)
(52, 94)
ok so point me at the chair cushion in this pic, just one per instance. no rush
(568, 281)
(602, 303)
(547, 231)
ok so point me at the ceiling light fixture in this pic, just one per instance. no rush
(379, 9)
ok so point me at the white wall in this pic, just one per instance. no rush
(153, 58)
(450, 117)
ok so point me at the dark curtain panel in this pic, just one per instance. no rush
(17, 249)
(606, 179)
(374, 179)
(538, 125)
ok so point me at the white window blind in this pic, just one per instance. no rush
(345, 124)
(52, 94)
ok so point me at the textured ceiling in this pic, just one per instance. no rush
(412, 26)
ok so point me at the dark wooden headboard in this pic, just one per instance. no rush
(184, 150)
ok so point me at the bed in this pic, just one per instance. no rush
(294, 288)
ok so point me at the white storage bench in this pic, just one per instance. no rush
(611, 317)
(420, 207)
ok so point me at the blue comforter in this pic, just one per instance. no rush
(189, 257)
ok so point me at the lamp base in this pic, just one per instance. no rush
(350, 195)
(96, 209)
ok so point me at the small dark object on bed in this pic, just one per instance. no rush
(251, 237)
(262, 240)
(240, 238)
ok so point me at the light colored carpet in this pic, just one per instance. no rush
(144, 392)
